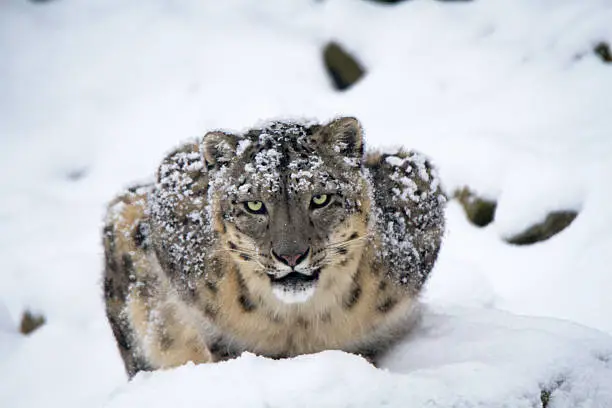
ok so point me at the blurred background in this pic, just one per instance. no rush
(512, 99)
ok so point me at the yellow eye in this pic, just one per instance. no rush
(255, 207)
(320, 200)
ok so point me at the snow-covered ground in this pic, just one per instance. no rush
(464, 359)
(506, 96)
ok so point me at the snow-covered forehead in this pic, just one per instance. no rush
(286, 156)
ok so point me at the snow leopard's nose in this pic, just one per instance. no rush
(291, 259)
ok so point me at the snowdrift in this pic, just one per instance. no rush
(466, 358)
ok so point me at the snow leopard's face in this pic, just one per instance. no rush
(293, 202)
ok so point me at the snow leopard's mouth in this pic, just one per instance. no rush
(295, 287)
(295, 278)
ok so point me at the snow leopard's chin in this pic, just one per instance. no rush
(295, 287)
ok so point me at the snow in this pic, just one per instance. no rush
(504, 96)
(457, 358)
(265, 168)
(242, 146)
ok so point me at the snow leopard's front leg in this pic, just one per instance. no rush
(409, 215)
(152, 326)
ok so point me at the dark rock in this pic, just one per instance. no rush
(341, 66)
(401, 1)
(554, 223)
(387, 1)
(31, 322)
(478, 210)
(76, 174)
(546, 394)
(545, 398)
(602, 49)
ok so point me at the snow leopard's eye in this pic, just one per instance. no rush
(319, 201)
(255, 207)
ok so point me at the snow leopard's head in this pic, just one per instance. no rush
(290, 203)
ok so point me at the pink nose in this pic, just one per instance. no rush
(292, 259)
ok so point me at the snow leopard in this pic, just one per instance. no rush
(282, 240)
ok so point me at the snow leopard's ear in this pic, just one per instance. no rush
(343, 136)
(218, 148)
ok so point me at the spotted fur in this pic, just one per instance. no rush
(191, 274)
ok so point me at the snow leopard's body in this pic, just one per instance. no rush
(281, 241)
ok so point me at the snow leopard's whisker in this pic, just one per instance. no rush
(325, 261)
(254, 255)
(346, 243)
(240, 250)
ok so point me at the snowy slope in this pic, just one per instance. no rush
(463, 359)
(506, 96)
